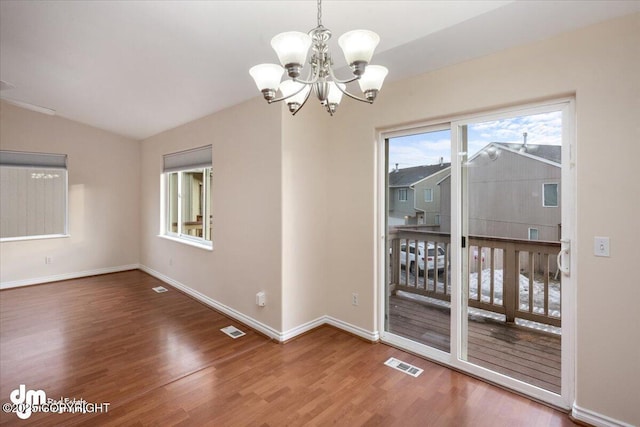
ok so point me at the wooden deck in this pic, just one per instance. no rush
(527, 355)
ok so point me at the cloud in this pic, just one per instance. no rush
(543, 129)
(427, 148)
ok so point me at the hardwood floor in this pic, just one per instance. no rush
(160, 359)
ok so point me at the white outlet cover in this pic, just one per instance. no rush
(601, 246)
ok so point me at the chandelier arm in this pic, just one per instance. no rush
(357, 98)
(307, 82)
(303, 102)
(337, 80)
(282, 98)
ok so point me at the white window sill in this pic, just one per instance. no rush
(24, 238)
(205, 246)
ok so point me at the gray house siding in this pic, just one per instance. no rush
(506, 197)
(398, 209)
(405, 212)
(430, 209)
(445, 204)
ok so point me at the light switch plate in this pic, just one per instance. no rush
(601, 246)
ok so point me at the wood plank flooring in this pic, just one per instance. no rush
(527, 355)
(160, 359)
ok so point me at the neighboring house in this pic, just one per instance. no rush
(403, 204)
(513, 192)
(427, 198)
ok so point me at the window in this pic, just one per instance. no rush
(428, 195)
(550, 192)
(33, 195)
(437, 219)
(533, 234)
(402, 194)
(188, 178)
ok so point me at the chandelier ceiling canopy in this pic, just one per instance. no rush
(292, 49)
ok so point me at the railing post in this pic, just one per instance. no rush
(510, 282)
(395, 263)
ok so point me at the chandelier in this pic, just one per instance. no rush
(292, 48)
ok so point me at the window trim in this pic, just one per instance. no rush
(404, 191)
(430, 190)
(544, 204)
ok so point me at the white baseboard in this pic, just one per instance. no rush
(595, 419)
(301, 329)
(66, 276)
(257, 325)
(356, 330)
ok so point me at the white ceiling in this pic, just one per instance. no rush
(137, 68)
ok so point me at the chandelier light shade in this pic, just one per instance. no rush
(371, 81)
(267, 78)
(294, 93)
(292, 49)
(358, 47)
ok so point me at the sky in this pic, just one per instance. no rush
(427, 148)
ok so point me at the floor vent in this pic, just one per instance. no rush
(233, 332)
(160, 289)
(404, 367)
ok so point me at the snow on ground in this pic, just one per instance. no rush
(485, 289)
(538, 291)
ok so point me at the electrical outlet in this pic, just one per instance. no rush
(170, 261)
(48, 260)
(354, 299)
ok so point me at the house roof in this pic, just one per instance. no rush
(409, 176)
(551, 153)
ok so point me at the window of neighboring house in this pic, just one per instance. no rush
(188, 178)
(428, 195)
(437, 219)
(550, 192)
(33, 195)
(402, 194)
(533, 234)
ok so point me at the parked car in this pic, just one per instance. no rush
(431, 255)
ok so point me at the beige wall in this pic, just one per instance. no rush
(601, 65)
(305, 165)
(246, 210)
(104, 177)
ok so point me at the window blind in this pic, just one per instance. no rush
(189, 159)
(33, 160)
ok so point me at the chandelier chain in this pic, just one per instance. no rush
(319, 13)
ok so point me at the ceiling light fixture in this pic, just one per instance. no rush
(292, 48)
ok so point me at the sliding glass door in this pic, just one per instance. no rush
(478, 223)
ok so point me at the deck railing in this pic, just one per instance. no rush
(511, 277)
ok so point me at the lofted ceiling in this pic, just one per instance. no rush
(137, 68)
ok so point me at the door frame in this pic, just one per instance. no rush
(568, 291)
